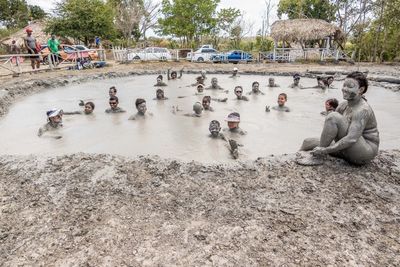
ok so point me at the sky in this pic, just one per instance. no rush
(253, 9)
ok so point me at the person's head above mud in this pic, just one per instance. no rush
(214, 128)
(200, 80)
(159, 78)
(206, 102)
(271, 82)
(331, 104)
(296, 79)
(198, 108)
(282, 99)
(350, 132)
(141, 107)
(160, 94)
(214, 82)
(112, 91)
(174, 75)
(54, 117)
(233, 120)
(255, 87)
(321, 83)
(235, 71)
(200, 88)
(328, 81)
(203, 74)
(113, 102)
(89, 107)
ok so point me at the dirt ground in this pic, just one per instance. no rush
(103, 210)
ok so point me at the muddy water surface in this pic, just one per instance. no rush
(174, 135)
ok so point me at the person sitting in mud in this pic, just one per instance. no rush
(203, 74)
(233, 121)
(199, 80)
(255, 89)
(113, 101)
(200, 89)
(174, 74)
(160, 81)
(296, 82)
(54, 121)
(207, 103)
(234, 73)
(88, 109)
(141, 107)
(215, 132)
(321, 84)
(215, 85)
(271, 83)
(282, 99)
(160, 95)
(198, 110)
(239, 93)
(330, 106)
(328, 82)
(112, 91)
(350, 132)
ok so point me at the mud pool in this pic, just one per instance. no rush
(174, 135)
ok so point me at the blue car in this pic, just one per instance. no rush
(234, 56)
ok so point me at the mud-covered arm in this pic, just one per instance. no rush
(168, 72)
(355, 131)
(180, 73)
(72, 112)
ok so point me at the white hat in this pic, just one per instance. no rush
(235, 69)
(54, 112)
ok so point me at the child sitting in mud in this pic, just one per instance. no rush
(233, 120)
(271, 83)
(215, 132)
(113, 102)
(88, 109)
(174, 74)
(330, 106)
(282, 99)
(197, 109)
(160, 81)
(54, 121)
(239, 93)
(112, 91)
(160, 95)
(141, 107)
(255, 89)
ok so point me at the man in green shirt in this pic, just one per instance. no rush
(53, 44)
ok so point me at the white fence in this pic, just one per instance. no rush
(126, 55)
(293, 54)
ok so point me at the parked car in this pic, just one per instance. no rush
(93, 55)
(150, 53)
(67, 53)
(234, 56)
(201, 55)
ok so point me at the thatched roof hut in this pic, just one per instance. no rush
(38, 33)
(301, 30)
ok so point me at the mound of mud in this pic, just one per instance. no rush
(102, 210)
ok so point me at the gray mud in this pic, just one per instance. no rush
(102, 210)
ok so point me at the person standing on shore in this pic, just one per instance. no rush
(33, 48)
(53, 44)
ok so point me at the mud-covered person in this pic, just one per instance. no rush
(234, 73)
(173, 75)
(33, 49)
(296, 82)
(112, 91)
(282, 99)
(114, 102)
(160, 95)
(233, 121)
(197, 110)
(206, 103)
(160, 81)
(255, 89)
(214, 85)
(239, 93)
(141, 108)
(215, 130)
(199, 80)
(88, 109)
(330, 106)
(271, 83)
(54, 122)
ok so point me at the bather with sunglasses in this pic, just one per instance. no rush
(114, 106)
(296, 82)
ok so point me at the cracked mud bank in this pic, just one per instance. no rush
(103, 210)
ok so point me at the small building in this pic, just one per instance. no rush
(300, 38)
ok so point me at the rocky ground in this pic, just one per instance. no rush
(103, 210)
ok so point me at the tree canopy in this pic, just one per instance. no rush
(17, 13)
(307, 9)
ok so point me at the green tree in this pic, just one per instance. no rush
(188, 19)
(14, 13)
(83, 20)
(36, 12)
(311, 9)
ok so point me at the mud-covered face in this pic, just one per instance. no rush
(56, 119)
(235, 72)
(233, 124)
(174, 75)
(214, 129)
(256, 87)
(113, 104)
(214, 82)
(142, 108)
(112, 92)
(281, 100)
(206, 104)
(200, 89)
(200, 80)
(238, 92)
(351, 89)
(296, 81)
(160, 95)
(271, 82)
(197, 108)
(88, 109)
(159, 80)
(330, 81)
